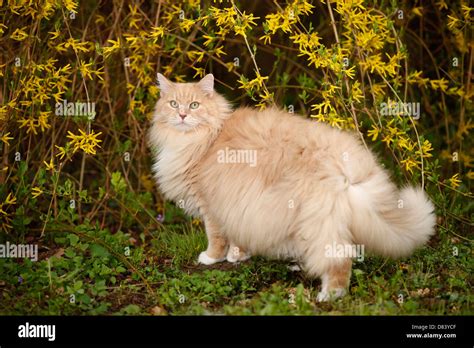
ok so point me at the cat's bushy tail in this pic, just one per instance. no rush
(387, 221)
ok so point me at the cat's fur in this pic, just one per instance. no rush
(312, 185)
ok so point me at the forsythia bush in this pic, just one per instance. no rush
(78, 86)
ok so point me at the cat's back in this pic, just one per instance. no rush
(272, 127)
(290, 142)
(257, 128)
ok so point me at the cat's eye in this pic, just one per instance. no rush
(194, 105)
(173, 104)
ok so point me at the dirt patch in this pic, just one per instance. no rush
(221, 266)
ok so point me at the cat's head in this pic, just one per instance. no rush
(190, 106)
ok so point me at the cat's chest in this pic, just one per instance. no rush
(174, 173)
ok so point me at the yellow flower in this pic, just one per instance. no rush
(70, 5)
(454, 181)
(29, 123)
(258, 82)
(2, 26)
(218, 51)
(54, 34)
(130, 88)
(99, 19)
(76, 44)
(153, 90)
(374, 133)
(208, 41)
(6, 139)
(306, 41)
(406, 143)
(85, 142)
(3, 212)
(439, 84)
(43, 120)
(415, 77)
(110, 49)
(62, 151)
(86, 72)
(231, 19)
(10, 199)
(323, 107)
(19, 34)
(266, 98)
(418, 11)
(36, 191)
(196, 56)
(199, 72)
(466, 12)
(388, 139)
(50, 165)
(186, 24)
(230, 66)
(453, 22)
(357, 94)
(157, 32)
(167, 70)
(409, 164)
(426, 148)
(442, 5)
(267, 39)
(350, 72)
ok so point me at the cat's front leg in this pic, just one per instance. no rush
(217, 244)
(236, 254)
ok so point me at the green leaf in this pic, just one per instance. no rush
(98, 251)
(69, 252)
(120, 269)
(131, 309)
(73, 239)
(118, 183)
(77, 285)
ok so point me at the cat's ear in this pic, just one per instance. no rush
(164, 84)
(207, 84)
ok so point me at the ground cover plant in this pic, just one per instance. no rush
(77, 90)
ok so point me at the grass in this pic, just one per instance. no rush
(92, 271)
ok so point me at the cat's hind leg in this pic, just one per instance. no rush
(335, 281)
(217, 244)
(335, 275)
(328, 252)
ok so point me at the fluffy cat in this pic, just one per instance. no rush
(274, 184)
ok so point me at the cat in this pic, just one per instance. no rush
(275, 184)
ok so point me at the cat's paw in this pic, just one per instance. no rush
(294, 268)
(236, 255)
(325, 295)
(206, 260)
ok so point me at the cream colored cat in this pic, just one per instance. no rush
(274, 184)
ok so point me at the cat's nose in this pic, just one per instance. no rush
(183, 116)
